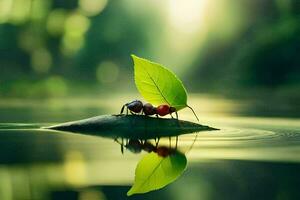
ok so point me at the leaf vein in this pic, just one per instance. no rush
(152, 173)
(157, 87)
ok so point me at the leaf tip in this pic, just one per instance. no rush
(133, 56)
(130, 192)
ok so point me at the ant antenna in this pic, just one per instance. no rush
(192, 145)
(122, 110)
(193, 112)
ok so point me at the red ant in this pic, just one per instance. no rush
(136, 146)
(138, 107)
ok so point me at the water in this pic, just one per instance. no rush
(251, 157)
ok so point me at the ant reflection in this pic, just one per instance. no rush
(136, 146)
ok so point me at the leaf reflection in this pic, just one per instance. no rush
(157, 169)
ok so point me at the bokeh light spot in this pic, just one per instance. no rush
(56, 86)
(56, 21)
(20, 11)
(5, 10)
(107, 72)
(91, 194)
(92, 7)
(75, 168)
(41, 60)
(29, 40)
(71, 45)
(76, 26)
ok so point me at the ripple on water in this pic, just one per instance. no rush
(244, 143)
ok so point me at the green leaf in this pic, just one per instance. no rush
(158, 85)
(154, 172)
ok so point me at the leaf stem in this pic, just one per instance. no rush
(193, 112)
(192, 145)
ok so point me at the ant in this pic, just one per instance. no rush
(137, 107)
(136, 146)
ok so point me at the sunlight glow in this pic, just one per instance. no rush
(186, 16)
(186, 30)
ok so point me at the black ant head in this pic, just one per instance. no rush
(172, 109)
(149, 109)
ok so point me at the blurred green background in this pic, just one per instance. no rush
(64, 60)
(59, 48)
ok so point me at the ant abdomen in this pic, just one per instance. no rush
(134, 146)
(135, 106)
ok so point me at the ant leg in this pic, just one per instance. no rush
(120, 143)
(132, 113)
(176, 142)
(122, 146)
(157, 141)
(122, 110)
(156, 116)
(126, 111)
(170, 142)
(172, 116)
(178, 122)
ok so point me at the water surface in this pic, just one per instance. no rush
(250, 157)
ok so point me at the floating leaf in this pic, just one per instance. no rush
(158, 85)
(130, 126)
(154, 172)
